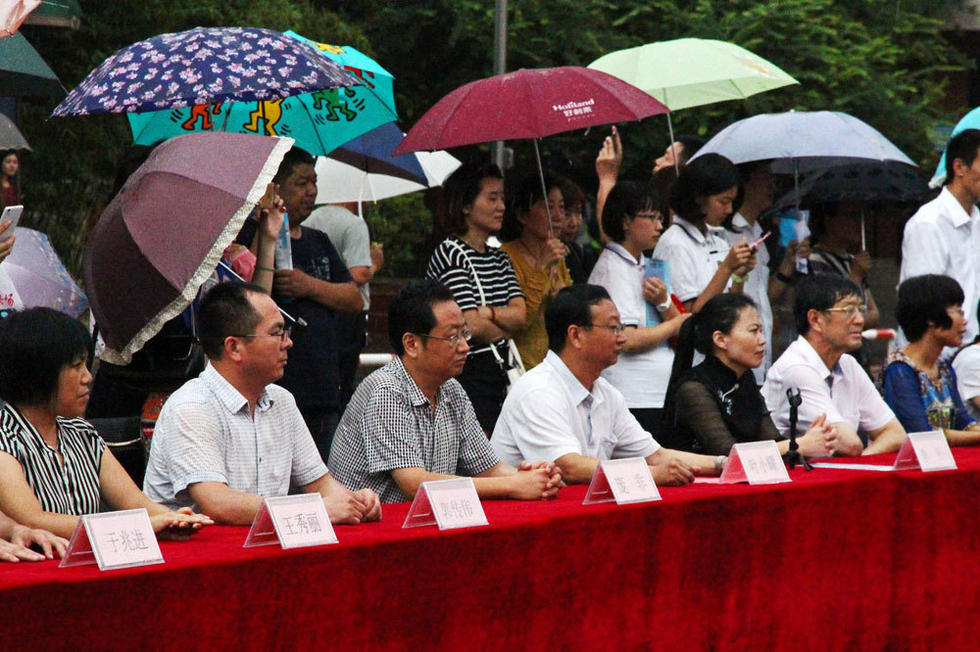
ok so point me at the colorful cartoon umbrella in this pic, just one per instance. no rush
(40, 277)
(318, 121)
(163, 234)
(23, 71)
(203, 66)
(13, 13)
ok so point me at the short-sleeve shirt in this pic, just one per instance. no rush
(845, 393)
(449, 266)
(206, 434)
(967, 367)
(692, 257)
(390, 424)
(549, 413)
(71, 487)
(622, 276)
(349, 234)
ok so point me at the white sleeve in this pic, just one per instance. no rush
(923, 250)
(683, 268)
(967, 368)
(539, 423)
(631, 439)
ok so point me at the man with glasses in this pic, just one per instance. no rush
(562, 410)
(230, 438)
(829, 319)
(410, 421)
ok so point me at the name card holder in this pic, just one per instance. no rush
(113, 540)
(755, 462)
(292, 522)
(624, 481)
(928, 451)
(449, 504)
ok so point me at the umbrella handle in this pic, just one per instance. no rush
(544, 190)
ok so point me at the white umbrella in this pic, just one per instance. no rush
(341, 182)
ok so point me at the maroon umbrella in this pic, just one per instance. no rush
(163, 234)
(528, 104)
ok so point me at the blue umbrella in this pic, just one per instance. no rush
(204, 66)
(970, 121)
(372, 153)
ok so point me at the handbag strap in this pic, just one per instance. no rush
(479, 289)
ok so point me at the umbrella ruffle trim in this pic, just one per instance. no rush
(206, 268)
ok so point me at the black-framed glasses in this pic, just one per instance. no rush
(618, 329)
(453, 339)
(281, 333)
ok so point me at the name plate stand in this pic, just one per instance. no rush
(449, 504)
(292, 522)
(113, 540)
(755, 462)
(624, 481)
(928, 451)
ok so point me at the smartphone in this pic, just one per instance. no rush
(10, 214)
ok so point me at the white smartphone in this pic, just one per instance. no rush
(10, 214)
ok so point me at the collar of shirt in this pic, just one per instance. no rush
(576, 390)
(811, 357)
(621, 251)
(692, 231)
(230, 397)
(954, 209)
(416, 396)
(740, 224)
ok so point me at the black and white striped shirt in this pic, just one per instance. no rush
(71, 487)
(449, 266)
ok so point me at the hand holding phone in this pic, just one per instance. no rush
(10, 214)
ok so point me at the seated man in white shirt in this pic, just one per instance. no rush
(562, 410)
(229, 438)
(829, 318)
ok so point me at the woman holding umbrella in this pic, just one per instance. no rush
(54, 467)
(701, 263)
(482, 281)
(538, 256)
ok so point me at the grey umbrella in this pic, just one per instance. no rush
(10, 136)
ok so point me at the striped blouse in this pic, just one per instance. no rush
(69, 488)
(493, 267)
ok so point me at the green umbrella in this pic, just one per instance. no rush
(688, 72)
(23, 71)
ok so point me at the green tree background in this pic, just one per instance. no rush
(882, 61)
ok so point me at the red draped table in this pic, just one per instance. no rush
(837, 559)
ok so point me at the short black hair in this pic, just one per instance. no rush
(625, 200)
(226, 311)
(571, 306)
(460, 190)
(706, 175)
(691, 146)
(35, 345)
(411, 310)
(528, 194)
(820, 292)
(923, 300)
(295, 156)
(962, 146)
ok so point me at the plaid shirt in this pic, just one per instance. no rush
(390, 424)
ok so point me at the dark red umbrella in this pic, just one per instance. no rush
(528, 103)
(163, 234)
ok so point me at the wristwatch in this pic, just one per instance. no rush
(665, 306)
(720, 463)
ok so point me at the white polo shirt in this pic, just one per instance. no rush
(549, 413)
(967, 368)
(692, 257)
(845, 393)
(942, 238)
(641, 376)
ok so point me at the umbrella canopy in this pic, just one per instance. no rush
(13, 13)
(866, 181)
(528, 103)
(318, 121)
(23, 71)
(40, 277)
(202, 66)
(10, 136)
(970, 121)
(163, 234)
(688, 72)
(803, 141)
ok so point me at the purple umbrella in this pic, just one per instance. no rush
(163, 234)
(203, 66)
(40, 277)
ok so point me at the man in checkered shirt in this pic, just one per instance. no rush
(230, 438)
(411, 421)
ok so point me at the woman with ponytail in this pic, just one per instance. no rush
(717, 403)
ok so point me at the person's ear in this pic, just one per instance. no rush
(412, 344)
(813, 318)
(719, 340)
(959, 167)
(234, 348)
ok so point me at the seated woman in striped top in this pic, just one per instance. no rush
(54, 467)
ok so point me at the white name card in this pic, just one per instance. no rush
(926, 450)
(625, 481)
(113, 540)
(292, 522)
(755, 462)
(449, 504)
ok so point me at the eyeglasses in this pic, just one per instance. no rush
(656, 217)
(453, 339)
(618, 329)
(281, 333)
(850, 311)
